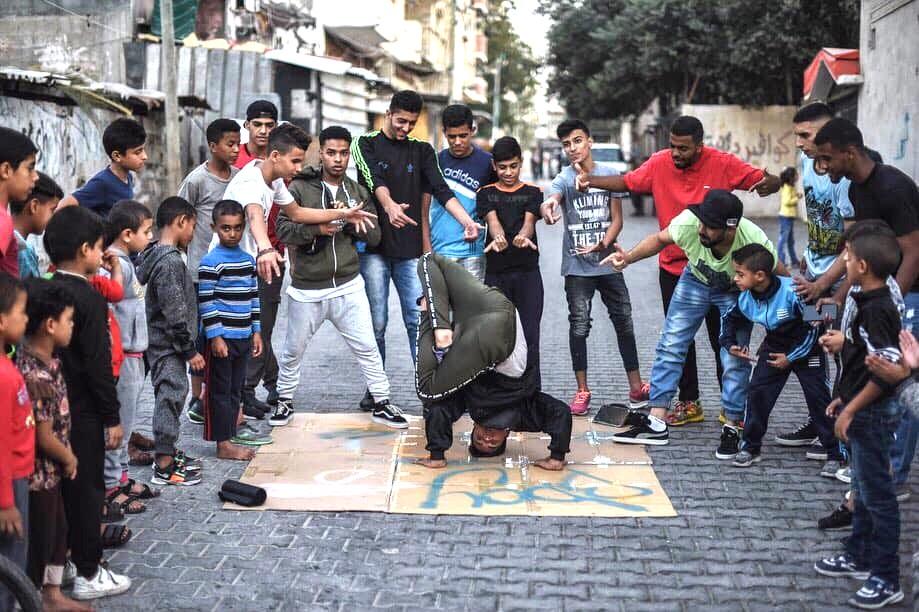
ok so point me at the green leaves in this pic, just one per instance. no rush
(613, 57)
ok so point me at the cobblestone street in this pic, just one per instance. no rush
(742, 540)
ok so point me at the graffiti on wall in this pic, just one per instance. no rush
(69, 141)
(762, 147)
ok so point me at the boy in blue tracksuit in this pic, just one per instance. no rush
(790, 345)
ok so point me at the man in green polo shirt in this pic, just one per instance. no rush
(708, 233)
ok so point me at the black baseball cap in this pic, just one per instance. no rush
(719, 209)
(262, 109)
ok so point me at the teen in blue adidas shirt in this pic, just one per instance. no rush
(790, 346)
(466, 169)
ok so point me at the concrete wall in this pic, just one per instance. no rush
(888, 103)
(38, 35)
(69, 139)
(760, 136)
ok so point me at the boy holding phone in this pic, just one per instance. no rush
(790, 346)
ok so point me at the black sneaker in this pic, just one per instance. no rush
(192, 464)
(387, 413)
(196, 411)
(283, 413)
(367, 402)
(747, 458)
(817, 452)
(838, 520)
(875, 594)
(251, 412)
(841, 565)
(730, 443)
(253, 402)
(802, 436)
(641, 432)
(174, 474)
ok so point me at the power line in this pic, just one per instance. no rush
(86, 17)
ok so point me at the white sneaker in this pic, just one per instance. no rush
(70, 573)
(103, 584)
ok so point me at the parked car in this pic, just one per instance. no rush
(610, 154)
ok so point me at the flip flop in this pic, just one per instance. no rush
(145, 493)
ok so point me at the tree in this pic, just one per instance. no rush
(613, 57)
(518, 67)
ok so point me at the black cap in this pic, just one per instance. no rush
(262, 109)
(719, 209)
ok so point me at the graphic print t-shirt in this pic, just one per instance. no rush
(827, 204)
(464, 177)
(715, 272)
(586, 216)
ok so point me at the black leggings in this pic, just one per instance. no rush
(47, 535)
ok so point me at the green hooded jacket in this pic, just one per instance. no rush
(317, 261)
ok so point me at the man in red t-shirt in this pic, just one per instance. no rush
(261, 118)
(677, 177)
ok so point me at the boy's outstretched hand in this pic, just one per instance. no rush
(11, 523)
(779, 361)
(832, 341)
(619, 259)
(196, 362)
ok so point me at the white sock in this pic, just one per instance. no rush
(656, 423)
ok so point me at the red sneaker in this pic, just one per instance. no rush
(639, 399)
(580, 405)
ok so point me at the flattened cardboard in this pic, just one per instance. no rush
(337, 462)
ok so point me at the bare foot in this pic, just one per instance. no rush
(53, 600)
(228, 450)
(434, 464)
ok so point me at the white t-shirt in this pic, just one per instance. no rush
(249, 187)
(516, 364)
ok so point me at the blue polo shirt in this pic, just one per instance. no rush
(464, 176)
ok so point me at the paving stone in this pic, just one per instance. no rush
(744, 540)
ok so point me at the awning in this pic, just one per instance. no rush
(831, 68)
(310, 62)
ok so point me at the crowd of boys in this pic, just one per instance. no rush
(90, 305)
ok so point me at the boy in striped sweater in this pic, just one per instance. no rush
(229, 307)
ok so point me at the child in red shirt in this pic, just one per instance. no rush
(17, 433)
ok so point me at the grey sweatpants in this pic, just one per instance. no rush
(169, 375)
(130, 385)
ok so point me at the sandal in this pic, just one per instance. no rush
(130, 505)
(141, 442)
(112, 511)
(115, 536)
(145, 492)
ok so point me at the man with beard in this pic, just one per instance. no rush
(708, 233)
(675, 177)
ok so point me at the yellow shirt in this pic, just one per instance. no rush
(788, 197)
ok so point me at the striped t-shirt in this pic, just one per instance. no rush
(228, 294)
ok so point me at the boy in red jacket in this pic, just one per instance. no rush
(17, 433)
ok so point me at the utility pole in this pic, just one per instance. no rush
(168, 63)
(496, 96)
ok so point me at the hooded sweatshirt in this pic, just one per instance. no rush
(171, 302)
(317, 261)
(130, 311)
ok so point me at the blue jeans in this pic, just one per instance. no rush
(691, 300)
(876, 520)
(904, 447)
(377, 271)
(787, 240)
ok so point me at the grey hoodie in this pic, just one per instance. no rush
(130, 311)
(171, 300)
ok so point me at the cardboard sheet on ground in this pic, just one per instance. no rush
(340, 462)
